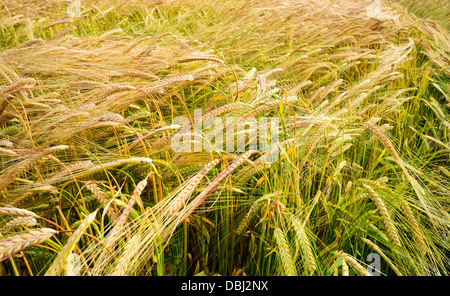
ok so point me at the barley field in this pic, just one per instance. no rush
(95, 94)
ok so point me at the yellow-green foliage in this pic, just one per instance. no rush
(86, 124)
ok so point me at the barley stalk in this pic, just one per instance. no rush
(304, 243)
(136, 195)
(213, 185)
(248, 172)
(102, 199)
(18, 85)
(200, 58)
(277, 206)
(137, 73)
(312, 142)
(184, 195)
(224, 109)
(119, 223)
(344, 268)
(63, 21)
(168, 81)
(60, 261)
(125, 258)
(5, 118)
(20, 168)
(415, 227)
(353, 263)
(297, 88)
(63, 32)
(113, 90)
(24, 240)
(19, 222)
(73, 267)
(69, 170)
(135, 43)
(105, 166)
(378, 250)
(250, 214)
(387, 144)
(10, 211)
(390, 228)
(342, 150)
(285, 253)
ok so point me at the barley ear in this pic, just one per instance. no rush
(389, 225)
(353, 263)
(136, 195)
(10, 211)
(213, 185)
(180, 200)
(285, 253)
(60, 261)
(389, 147)
(20, 168)
(305, 244)
(378, 250)
(344, 268)
(250, 214)
(414, 227)
(19, 222)
(24, 240)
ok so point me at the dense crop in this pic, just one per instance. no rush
(90, 183)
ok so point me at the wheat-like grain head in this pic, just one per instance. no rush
(353, 263)
(24, 240)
